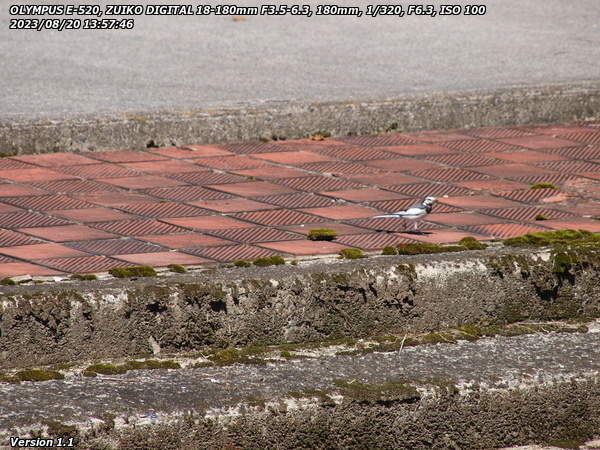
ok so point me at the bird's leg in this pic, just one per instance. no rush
(416, 227)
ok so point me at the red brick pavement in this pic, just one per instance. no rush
(202, 204)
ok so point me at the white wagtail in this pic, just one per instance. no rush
(412, 213)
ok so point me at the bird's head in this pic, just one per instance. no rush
(429, 200)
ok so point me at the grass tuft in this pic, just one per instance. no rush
(352, 253)
(269, 261)
(177, 268)
(471, 243)
(543, 185)
(129, 272)
(322, 234)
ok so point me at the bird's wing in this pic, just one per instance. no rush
(385, 216)
(410, 211)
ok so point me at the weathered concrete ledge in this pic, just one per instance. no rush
(320, 300)
(507, 106)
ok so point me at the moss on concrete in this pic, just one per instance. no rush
(550, 238)
(472, 244)
(269, 261)
(130, 272)
(419, 248)
(352, 253)
(39, 375)
(322, 234)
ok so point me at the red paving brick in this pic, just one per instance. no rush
(258, 234)
(253, 188)
(40, 251)
(84, 264)
(10, 190)
(47, 202)
(423, 190)
(342, 212)
(161, 259)
(102, 170)
(9, 163)
(206, 177)
(4, 208)
(231, 163)
(491, 185)
(162, 209)
(137, 227)
(506, 230)
(113, 198)
(138, 204)
(232, 205)
(10, 238)
(277, 217)
(162, 167)
(121, 156)
(386, 178)
(207, 222)
(20, 268)
(457, 219)
(29, 219)
(55, 159)
(293, 158)
(477, 202)
(187, 193)
(364, 195)
(526, 156)
(142, 182)
(378, 140)
(317, 183)
(305, 247)
(372, 241)
(232, 252)
(574, 224)
(204, 151)
(401, 164)
(419, 150)
(268, 172)
(185, 240)
(66, 233)
(115, 246)
(526, 214)
(89, 215)
(539, 142)
(299, 200)
(358, 153)
(74, 186)
(33, 174)
(480, 146)
(340, 228)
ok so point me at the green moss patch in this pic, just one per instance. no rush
(84, 276)
(269, 261)
(352, 253)
(543, 185)
(389, 250)
(322, 234)
(418, 248)
(471, 243)
(550, 238)
(112, 369)
(7, 282)
(242, 263)
(542, 217)
(39, 375)
(177, 268)
(130, 272)
(390, 392)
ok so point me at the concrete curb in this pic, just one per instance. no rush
(509, 106)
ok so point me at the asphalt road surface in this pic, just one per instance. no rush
(183, 63)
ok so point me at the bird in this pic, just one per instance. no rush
(412, 213)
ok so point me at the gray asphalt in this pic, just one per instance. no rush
(212, 62)
(500, 362)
